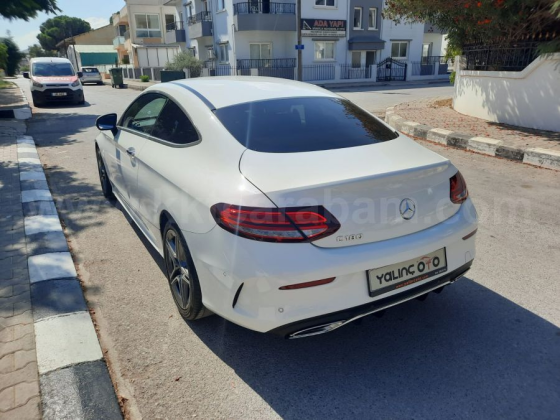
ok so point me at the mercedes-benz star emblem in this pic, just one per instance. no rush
(407, 209)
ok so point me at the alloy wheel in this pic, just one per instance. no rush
(178, 269)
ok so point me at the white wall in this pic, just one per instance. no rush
(310, 11)
(414, 33)
(439, 43)
(282, 43)
(530, 98)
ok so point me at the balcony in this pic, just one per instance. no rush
(119, 40)
(200, 25)
(175, 32)
(263, 15)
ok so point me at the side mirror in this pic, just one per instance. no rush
(26, 75)
(80, 74)
(107, 122)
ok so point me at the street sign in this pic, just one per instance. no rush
(300, 47)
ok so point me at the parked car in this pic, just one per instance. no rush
(53, 80)
(284, 207)
(91, 75)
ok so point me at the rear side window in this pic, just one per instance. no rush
(302, 125)
(142, 115)
(174, 126)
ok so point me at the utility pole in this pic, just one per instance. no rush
(299, 51)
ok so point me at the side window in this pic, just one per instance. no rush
(142, 114)
(174, 126)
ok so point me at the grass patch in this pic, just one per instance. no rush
(6, 85)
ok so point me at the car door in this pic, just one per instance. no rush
(164, 171)
(135, 127)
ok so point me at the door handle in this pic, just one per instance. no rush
(131, 151)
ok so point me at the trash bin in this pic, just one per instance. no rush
(116, 77)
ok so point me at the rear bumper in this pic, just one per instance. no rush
(308, 327)
(227, 264)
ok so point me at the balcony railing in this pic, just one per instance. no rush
(263, 7)
(266, 62)
(174, 26)
(200, 17)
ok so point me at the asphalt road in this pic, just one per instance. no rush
(486, 348)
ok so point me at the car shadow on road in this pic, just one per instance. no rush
(467, 353)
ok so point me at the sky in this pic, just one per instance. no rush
(96, 12)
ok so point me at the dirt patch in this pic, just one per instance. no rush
(442, 103)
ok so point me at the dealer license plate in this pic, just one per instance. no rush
(59, 94)
(393, 277)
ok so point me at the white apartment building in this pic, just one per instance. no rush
(145, 34)
(342, 39)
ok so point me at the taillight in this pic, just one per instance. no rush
(458, 188)
(293, 224)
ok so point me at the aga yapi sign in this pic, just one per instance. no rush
(323, 27)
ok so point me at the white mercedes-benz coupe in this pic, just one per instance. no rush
(284, 207)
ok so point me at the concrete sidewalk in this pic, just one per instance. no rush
(51, 363)
(435, 120)
(19, 377)
(13, 104)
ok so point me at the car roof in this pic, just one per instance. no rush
(50, 60)
(219, 92)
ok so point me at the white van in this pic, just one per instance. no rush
(53, 80)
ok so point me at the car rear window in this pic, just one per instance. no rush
(85, 70)
(302, 125)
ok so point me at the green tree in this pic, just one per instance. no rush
(14, 56)
(36, 51)
(185, 60)
(3, 56)
(26, 9)
(59, 28)
(474, 20)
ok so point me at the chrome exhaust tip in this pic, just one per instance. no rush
(319, 329)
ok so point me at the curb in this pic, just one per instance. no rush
(19, 112)
(544, 158)
(74, 379)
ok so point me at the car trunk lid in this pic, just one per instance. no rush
(371, 190)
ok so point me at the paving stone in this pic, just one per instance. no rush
(66, 340)
(55, 265)
(38, 224)
(13, 290)
(26, 374)
(28, 153)
(17, 360)
(33, 185)
(484, 145)
(14, 309)
(458, 140)
(15, 332)
(39, 208)
(38, 175)
(30, 411)
(46, 242)
(36, 195)
(79, 392)
(542, 157)
(20, 319)
(56, 297)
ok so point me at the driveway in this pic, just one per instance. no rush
(487, 347)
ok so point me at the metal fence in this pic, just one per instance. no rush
(318, 72)
(422, 68)
(266, 62)
(513, 57)
(347, 71)
(263, 7)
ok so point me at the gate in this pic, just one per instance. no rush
(389, 70)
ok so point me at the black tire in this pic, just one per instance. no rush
(106, 186)
(181, 274)
(99, 83)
